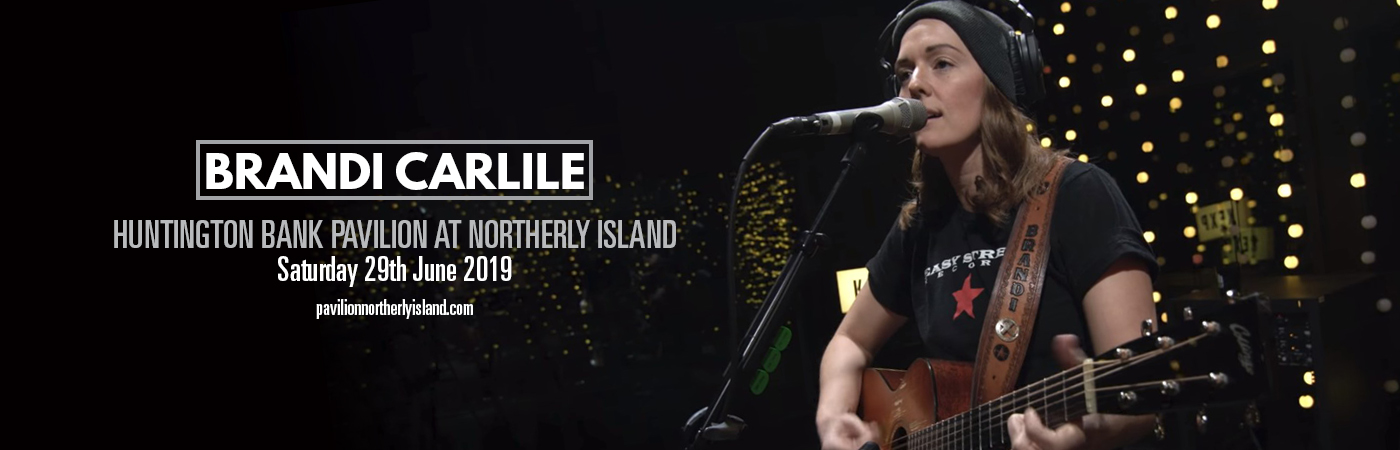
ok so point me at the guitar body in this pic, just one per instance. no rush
(903, 401)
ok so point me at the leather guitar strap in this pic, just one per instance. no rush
(1010, 316)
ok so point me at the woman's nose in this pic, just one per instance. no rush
(916, 86)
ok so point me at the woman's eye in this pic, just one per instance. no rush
(942, 64)
(902, 77)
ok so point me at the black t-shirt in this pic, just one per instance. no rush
(946, 293)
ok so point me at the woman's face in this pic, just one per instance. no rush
(935, 67)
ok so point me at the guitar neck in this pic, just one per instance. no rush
(1211, 362)
(1057, 399)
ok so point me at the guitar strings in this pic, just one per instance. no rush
(1114, 366)
(957, 432)
(964, 430)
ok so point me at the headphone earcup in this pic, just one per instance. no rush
(1029, 68)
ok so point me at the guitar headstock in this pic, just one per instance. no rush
(1206, 359)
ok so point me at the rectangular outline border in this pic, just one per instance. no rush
(198, 160)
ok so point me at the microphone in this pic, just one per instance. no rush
(898, 116)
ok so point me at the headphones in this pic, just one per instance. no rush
(1026, 63)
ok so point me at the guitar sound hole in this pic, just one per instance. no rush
(898, 441)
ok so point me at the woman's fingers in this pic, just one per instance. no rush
(1067, 436)
(847, 432)
(1016, 428)
(1067, 351)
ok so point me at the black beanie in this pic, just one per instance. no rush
(985, 34)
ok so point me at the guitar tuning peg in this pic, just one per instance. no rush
(1251, 415)
(1124, 354)
(1219, 380)
(1158, 431)
(1186, 313)
(1147, 327)
(1170, 387)
(1201, 421)
(1127, 399)
(1211, 328)
(1164, 342)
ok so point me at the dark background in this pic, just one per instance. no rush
(672, 94)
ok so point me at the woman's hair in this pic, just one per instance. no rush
(1013, 165)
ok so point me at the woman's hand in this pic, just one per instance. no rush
(1028, 432)
(844, 431)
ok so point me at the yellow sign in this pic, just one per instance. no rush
(1215, 221)
(1252, 245)
(849, 283)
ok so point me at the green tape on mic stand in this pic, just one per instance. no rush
(784, 336)
(759, 382)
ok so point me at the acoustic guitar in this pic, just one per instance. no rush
(1203, 361)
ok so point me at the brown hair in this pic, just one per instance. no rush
(1013, 164)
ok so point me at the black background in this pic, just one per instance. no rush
(218, 353)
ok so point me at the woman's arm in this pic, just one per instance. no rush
(1114, 307)
(866, 327)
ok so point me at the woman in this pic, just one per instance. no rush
(973, 165)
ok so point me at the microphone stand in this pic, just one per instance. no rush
(704, 426)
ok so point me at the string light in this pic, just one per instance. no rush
(1237, 194)
(1070, 135)
(1149, 236)
(1358, 180)
(1141, 89)
(1276, 119)
(1213, 21)
(1171, 12)
(1285, 190)
(1065, 7)
(1147, 147)
(1129, 55)
(1107, 101)
(1222, 61)
(1291, 262)
(1059, 29)
(1268, 47)
(1175, 103)
(1142, 177)
(1268, 4)
(1045, 142)
(1071, 59)
(1189, 232)
(1178, 76)
(1064, 82)
(1191, 198)
(1295, 231)
(1305, 401)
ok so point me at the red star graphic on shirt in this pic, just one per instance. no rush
(964, 298)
